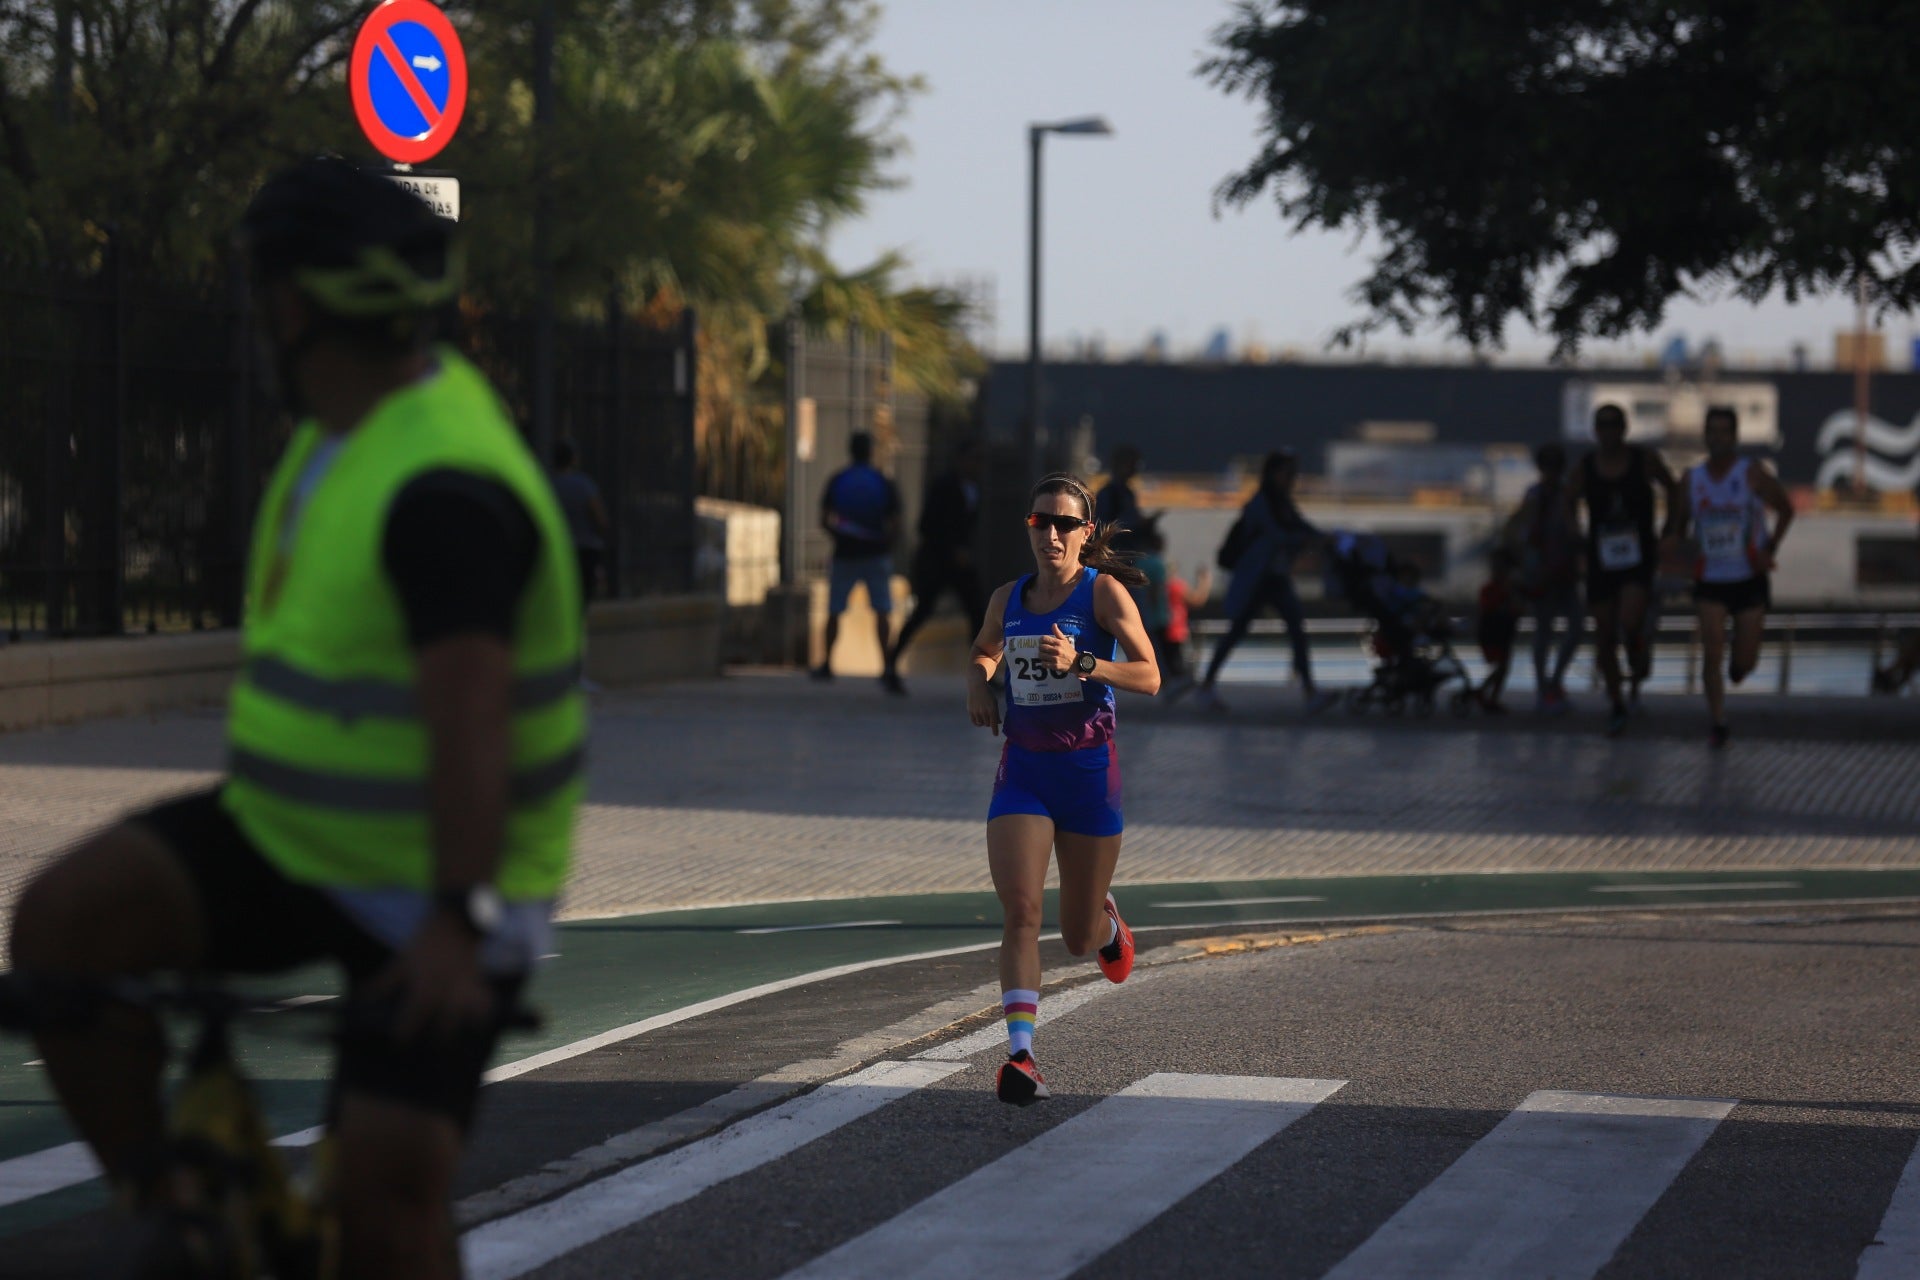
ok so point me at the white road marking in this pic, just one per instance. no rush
(1154, 1143)
(515, 1245)
(1232, 902)
(508, 1071)
(53, 1169)
(995, 1035)
(24, 1177)
(1895, 1251)
(1552, 1191)
(299, 1002)
(1693, 888)
(809, 928)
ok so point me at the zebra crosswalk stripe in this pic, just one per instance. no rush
(1553, 1190)
(1153, 1144)
(515, 1245)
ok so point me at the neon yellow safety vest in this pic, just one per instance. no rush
(327, 751)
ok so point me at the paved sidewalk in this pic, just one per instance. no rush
(764, 786)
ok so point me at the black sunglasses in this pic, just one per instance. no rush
(1061, 524)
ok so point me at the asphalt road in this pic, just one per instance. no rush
(1706, 1093)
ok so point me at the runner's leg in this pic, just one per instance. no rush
(1018, 846)
(1634, 602)
(1713, 646)
(1748, 625)
(1086, 873)
(1607, 626)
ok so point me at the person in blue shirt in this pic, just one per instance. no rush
(1066, 636)
(861, 509)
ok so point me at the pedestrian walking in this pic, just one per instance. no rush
(1066, 635)
(1728, 498)
(1260, 552)
(943, 561)
(1495, 626)
(1542, 536)
(860, 508)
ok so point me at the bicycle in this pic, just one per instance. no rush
(228, 1206)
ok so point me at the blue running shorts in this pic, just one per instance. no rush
(1079, 790)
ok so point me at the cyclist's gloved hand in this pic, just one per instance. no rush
(437, 981)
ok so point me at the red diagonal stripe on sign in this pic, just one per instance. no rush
(410, 82)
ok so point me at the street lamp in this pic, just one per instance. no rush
(1097, 126)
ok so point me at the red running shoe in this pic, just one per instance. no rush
(1116, 958)
(1020, 1083)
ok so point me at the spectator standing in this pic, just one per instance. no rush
(860, 507)
(586, 515)
(1117, 503)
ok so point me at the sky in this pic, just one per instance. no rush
(1131, 240)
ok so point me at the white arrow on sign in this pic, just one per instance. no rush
(426, 62)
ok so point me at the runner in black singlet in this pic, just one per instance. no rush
(1616, 485)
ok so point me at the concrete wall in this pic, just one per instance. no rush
(630, 642)
(71, 680)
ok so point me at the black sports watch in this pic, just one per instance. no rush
(1084, 663)
(478, 907)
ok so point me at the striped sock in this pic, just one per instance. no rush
(1020, 1007)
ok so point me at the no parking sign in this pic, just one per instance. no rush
(408, 76)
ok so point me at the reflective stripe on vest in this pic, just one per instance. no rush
(347, 793)
(362, 696)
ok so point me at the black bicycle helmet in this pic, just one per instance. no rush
(356, 243)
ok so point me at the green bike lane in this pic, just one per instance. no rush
(609, 974)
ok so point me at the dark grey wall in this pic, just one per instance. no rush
(1198, 418)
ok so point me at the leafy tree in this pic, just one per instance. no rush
(1577, 164)
(700, 152)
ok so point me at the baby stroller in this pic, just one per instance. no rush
(1408, 642)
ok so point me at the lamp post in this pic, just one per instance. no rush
(1036, 434)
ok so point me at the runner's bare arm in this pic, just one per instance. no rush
(1768, 488)
(982, 707)
(1670, 494)
(1114, 610)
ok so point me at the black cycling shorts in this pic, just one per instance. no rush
(1736, 597)
(1604, 585)
(258, 921)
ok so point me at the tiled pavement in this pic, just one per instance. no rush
(765, 787)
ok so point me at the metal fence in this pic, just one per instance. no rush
(136, 435)
(837, 386)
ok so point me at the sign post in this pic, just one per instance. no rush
(408, 78)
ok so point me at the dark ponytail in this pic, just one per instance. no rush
(1097, 552)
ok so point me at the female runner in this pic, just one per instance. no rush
(1059, 631)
